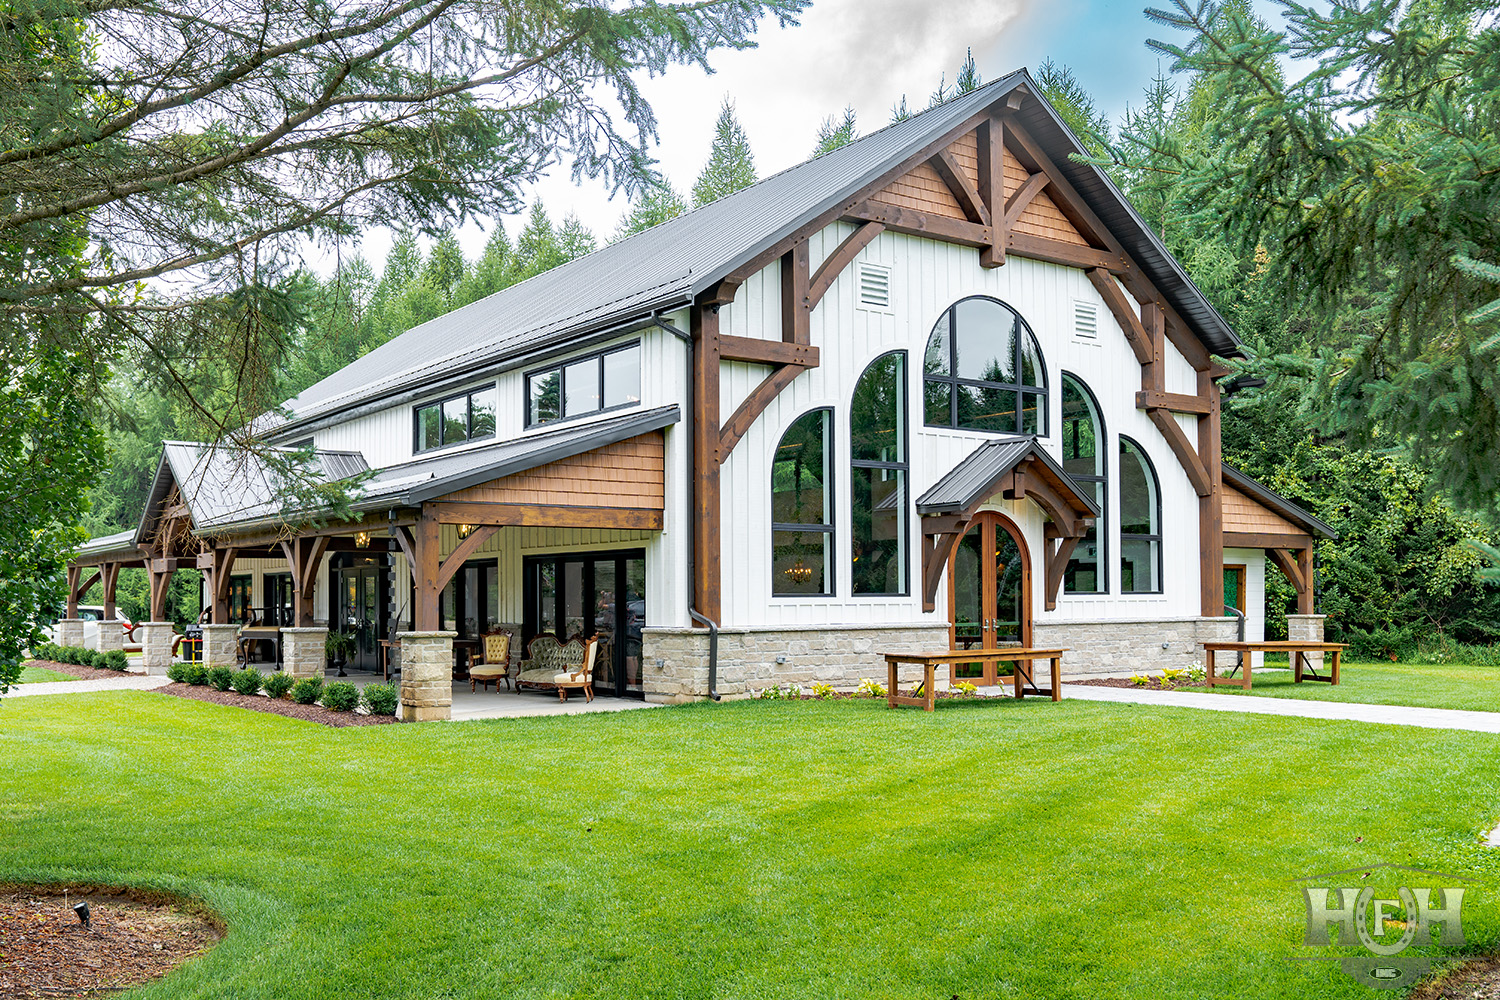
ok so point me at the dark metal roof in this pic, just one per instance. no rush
(665, 267)
(1275, 501)
(121, 544)
(973, 480)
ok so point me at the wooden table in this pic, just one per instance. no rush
(1296, 652)
(252, 634)
(929, 662)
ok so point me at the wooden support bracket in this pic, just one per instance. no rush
(1188, 458)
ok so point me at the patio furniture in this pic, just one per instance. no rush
(492, 661)
(1021, 656)
(1302, 668)
(582, 677)
(543, 661)
(251, 635)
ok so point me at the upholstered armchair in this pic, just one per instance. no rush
(492, 662)
(580, 677)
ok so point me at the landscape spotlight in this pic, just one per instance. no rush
(82, 909)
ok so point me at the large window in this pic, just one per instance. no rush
(802, 507)
(1140, 522)
(604, 381)
(468, 416)
(877, 447)
(983, 371)
(1084, 446)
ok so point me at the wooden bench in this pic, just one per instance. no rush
(1296, 652)
(1021, 656)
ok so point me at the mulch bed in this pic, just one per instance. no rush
(82, 673)
(1474, 980)
(1154, 684)
(260, 703)
(133, 938)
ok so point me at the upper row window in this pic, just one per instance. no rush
(984, 371)
(469, 416)
(585, 385)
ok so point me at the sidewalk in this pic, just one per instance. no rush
(126, 682)
(1389, 715)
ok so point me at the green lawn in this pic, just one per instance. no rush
(1448, 685)
(755, 849)
(38, 675)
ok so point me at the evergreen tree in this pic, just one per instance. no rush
(1074, 104)
(537, 248)
(653, 206)
(446, 267)
(574, 240)
(402, 264)
(968, 77)
(899, 111)
(491, 272)
(730, 166)
(836, 132)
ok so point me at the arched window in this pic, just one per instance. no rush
(984, 372)
(877, 447)
(802, 507)
(1140, 521)
(1084, 448)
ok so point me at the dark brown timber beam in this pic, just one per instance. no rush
(959, 185)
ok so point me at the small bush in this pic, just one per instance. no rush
(307, 690)
(380, 699)
(220, 678)
(790, 692)
(1197, 674)
(178, 672)
(278, 684)
(248, 681)
(340, 696)
(1140, 680)
(966, 689)
(869, 689)
(196, 673)
(822, 692)
(116, 659)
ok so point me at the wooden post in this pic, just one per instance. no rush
(990, 144)
(707, 584)
(1305, 591)
(160, 571)
(75, 575)
(223, 564)
(110, 580)
(427, 548)
(1211, 505)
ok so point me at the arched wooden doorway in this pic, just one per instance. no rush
(989, 591)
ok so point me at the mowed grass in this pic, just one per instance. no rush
(41, 675)
(1447, 685)
(755, 849)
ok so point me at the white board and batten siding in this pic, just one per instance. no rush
(926, 277)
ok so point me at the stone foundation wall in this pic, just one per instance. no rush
(1133, 647)
(426, 675)
(302, 651)
(675, 660)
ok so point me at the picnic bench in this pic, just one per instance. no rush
(1021, 656)
(1296, 651)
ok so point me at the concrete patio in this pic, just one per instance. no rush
(509, 704)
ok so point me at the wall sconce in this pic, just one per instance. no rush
(798, 573)
(361, 539)
(465, 530)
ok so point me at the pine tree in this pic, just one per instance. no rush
(537, 247)
(968, 78)
(653, 206)
(836, 132)
(402, 264)
(574, 240)
(1074, 105)
(899, 111)
(731, 166)
(446, 267)
(491, 272)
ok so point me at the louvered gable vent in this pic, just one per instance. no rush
(874, 286)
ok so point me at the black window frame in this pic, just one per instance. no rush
(468, 397)
(1101, 523)
(903, 420)
(952, 381)
(561, 368)
(1150, 468)
(830, 586)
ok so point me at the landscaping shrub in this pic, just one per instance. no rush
(822, 692)
(220, 678)
(197, 674)
(381, 699)
(340, 696)
(869, 689)
(116, 659)
(178, 672)
(248, 681)
(278, 684)
(307, 690)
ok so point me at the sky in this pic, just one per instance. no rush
(863, 54)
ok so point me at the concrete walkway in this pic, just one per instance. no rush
(1389, 715)
(126, 682)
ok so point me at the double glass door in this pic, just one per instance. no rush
(991, 598)
(583, 595)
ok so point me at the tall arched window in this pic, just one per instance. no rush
(877, 448)
(1084, 448)
(1140, 521)
(983, 371)
(802, 507)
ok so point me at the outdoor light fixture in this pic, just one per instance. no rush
(362, 539)
(465, 530)
(82, 909)
(799, 573)
(1241, 383)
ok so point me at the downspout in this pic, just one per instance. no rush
(713, 626)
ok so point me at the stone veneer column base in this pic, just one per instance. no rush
(675, 660)
(302, 652)
(111, 636)
(1134, 646)
(1307, 628)
(426, 676)
(69, 631)
(220, 646)
(156, 646)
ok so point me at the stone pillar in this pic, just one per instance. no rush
(220, 646)
(156, 646)
(302, 651)
(70, 632)
(426, 675)
(111, 636)
(1307, 628)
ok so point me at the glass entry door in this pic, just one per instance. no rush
(360, 590)
(990, 599)
(583, 595)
